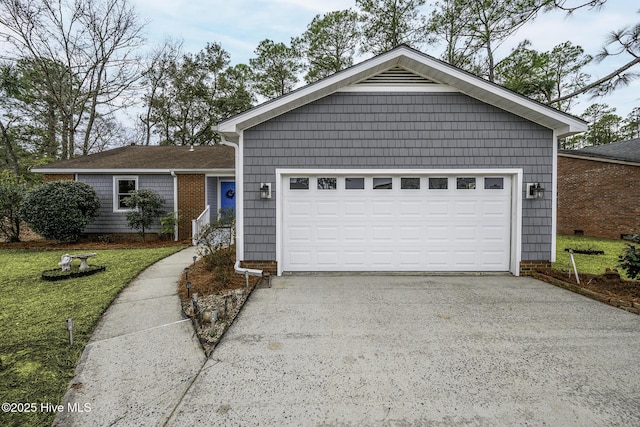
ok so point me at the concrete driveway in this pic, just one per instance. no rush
(381, 350)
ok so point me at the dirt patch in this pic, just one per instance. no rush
(624, 294)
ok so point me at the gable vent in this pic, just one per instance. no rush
(396, 76)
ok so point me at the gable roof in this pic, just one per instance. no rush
(148, 159)
(624, 151)
(430, 70)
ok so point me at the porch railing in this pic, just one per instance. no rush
(199, 223)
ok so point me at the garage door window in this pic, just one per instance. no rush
(409, 183)
(438, 183)
(493, 183)
(466, 183)
(354, 183)
(299, 183)
(327, 183)
(382, 183)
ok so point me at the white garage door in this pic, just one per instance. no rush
(396, 223)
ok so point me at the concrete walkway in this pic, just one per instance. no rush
(142, 357)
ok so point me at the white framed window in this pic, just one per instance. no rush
(122, 186)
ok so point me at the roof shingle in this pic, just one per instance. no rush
(628, 151)
(151, 157)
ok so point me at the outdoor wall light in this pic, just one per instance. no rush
(534, 190)
(265, 190)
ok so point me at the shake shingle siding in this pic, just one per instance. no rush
(395, 131)
(109, 221)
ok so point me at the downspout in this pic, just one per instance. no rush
(175, 205)
(239, 270)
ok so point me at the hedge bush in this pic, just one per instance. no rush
(630, 259)
(60, 210)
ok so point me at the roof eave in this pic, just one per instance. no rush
(598, 158)
(112, 171)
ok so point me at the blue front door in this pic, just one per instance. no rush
(228, 196)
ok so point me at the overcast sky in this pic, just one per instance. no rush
(239, 25)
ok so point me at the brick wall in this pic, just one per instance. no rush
(528, 268)
(270, 267)
(599, 199)
(191, 201)
(59, 177)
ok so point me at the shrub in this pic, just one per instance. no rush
(147, 208)
(60, 210)
(218, 240)
(168, 225)
(630, 259)
(11, 195)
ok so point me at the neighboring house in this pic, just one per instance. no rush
(188, 180)
(399, 163)
(599, 190)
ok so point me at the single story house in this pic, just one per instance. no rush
(193, 181)
(599, 190)
(399, 163)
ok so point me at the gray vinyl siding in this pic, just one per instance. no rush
(212, 197)
(109, 221)
(395, 131)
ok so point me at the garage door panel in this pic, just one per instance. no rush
(382, 209)
(438, 234)
(411, 258)
(299, 209)
(327, 209)
(411, 209)
(438, 208)
(355, 234)
(327, 234)
(396, 229)
(328, 258)
(382, 234)
(438, 260)
(494, 233)
(411, 234)
(355, 209)
(382, 258)
(355, 259)
(302, 233)
(494, 208)
(467, 209)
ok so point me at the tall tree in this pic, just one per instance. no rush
(194, 95)
(603, 128)
(154, 79)
(329, 44)
(631, 125)
(447, 23)
(275, 69)
(390, 23)
(94, 40)
(473, 30)
(544, 76)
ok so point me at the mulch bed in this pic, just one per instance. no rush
(57, 246)
(625, 294)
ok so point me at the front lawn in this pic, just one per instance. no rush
(590, 264)
(36, 361)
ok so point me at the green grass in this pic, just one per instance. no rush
(590, 264)
(36, 361)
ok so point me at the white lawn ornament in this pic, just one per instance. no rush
(65, 263)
